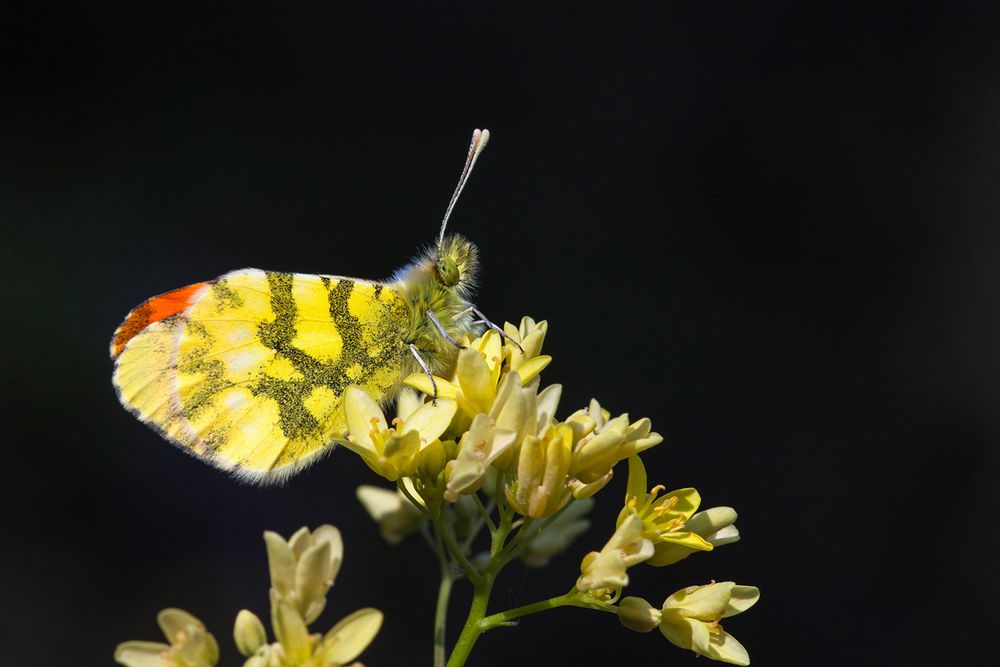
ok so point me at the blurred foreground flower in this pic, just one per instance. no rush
(303, 569)
(296, 647)
(395, 515)
(190, 644)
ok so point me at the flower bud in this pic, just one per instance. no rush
(248, 632)
(637, 614)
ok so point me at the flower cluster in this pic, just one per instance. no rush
(492, 414)
(485, 449)
(492, 442)
(303, 569)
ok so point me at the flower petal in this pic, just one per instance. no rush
(636, 486)
(431, 420)
(741, 599)
(312, 582)
(200, 649)
(142, 654)
(175, 622)
(422, 383)
(291, 632)
(348, 638)
(532, 367)
(328, 533)
(300, 540)
(711, 520)
(706, 603)
(362, 414)
(281, 562)
(476, 380)
(548, 403)
(724, 648)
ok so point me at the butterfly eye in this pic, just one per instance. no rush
(447, 271)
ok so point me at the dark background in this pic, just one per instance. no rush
(770, 227)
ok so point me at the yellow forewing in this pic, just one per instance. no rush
(251, 375)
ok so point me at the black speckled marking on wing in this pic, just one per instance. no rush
(295, 420)
(212, 370)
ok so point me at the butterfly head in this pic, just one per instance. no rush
(456, 263)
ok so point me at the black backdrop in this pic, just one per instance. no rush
(769, 227)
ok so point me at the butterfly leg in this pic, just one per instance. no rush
(440, 327)
(423, 365)
(483, 320)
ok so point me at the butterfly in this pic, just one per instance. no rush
(248, 371)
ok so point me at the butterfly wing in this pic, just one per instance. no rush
(248, 371)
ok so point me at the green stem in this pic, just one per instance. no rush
(571, 599)
(484, 514)
(441, 615)
(473, 628)
(505, 617)
(482, 588)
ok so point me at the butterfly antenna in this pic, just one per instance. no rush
(479, 139)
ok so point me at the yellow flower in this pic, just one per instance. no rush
(558, 535)
(477, 449)
(478, 373)
(304, 568)
(664, 518)
(541, 486)
(714, 525)
(691, 618)
(190, 644)
(395, 515)
(605, 570)
(601, 442)
(398, 451)
(297, 648)
(530, 335)
(524, 410)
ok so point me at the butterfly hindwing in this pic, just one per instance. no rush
(250, 375)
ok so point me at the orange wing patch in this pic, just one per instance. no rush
(153, 310)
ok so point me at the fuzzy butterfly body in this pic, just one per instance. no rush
(248, 371)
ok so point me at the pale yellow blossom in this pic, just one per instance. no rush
(605, 570)
(296, 647)
(715, 525)
(541, 486)
(690, 619)
(478, 373)
(600, 442)
(190, 644)
(477, 450)
(398, 451)
(664, 517)
(304, 568)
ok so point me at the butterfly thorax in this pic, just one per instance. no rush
(425, 284)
